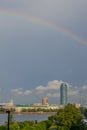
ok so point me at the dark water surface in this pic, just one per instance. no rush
(23, 117)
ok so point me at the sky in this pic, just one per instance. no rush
(42, 44)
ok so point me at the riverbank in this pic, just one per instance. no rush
(49, 113)
(41, 112)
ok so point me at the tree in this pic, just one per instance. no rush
(85, 112)
(67, 117)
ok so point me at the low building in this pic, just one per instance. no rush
(8, 106)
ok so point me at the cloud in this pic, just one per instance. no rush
(20, 91)
(27, 92)
(55, 84)
(16, 90)
(84, 87)
(52, 85)
(41, 88)
(72, 93)
(53, 95)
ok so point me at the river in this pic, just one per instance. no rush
(23, 117)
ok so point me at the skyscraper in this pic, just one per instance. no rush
(63, 94)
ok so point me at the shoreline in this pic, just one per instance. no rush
(35, 113)
(49, 113)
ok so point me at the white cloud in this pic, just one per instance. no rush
(55, 84)
(84, 87)
(72, 93)
(52, 85)
(20, 91)
(54, 95)
(27, 92)
(41, 88)
(16, 90)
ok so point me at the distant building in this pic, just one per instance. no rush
(37, 104)
(63, 94)
(9, 105)
(44, 100)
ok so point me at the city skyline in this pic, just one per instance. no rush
(52, 90)
(42, 43)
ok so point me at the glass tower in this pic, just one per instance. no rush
(63, 94)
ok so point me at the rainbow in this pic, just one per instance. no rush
(45, 23)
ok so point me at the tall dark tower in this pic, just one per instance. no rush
(63, 94)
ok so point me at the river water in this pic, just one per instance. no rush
(23, 117)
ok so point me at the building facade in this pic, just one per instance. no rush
(63, 94)
(44, 100)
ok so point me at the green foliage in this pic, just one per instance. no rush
(35, 121)
(53, 127)
(26, 125)
(67, 117)
(85, 112)
(14, 126)
(80, 126)
(11, 118)
(42, 125)
(3, 127)
(48, 123)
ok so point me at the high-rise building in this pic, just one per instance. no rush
(63, 94)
